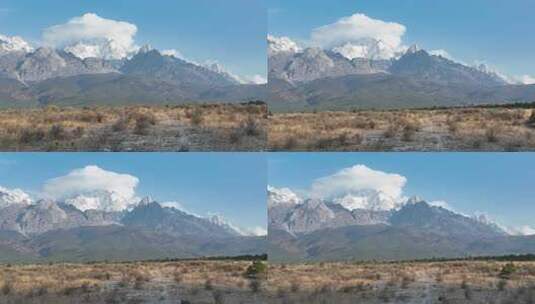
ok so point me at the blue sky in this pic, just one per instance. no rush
(230, 31)
(495, 31)
(230, 184)
(498, 184)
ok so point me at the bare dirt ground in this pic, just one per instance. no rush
(418, 282)
(135, 128)
(143, 282)
(459, 129)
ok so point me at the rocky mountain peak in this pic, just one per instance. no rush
(413, 49)
(146, 201)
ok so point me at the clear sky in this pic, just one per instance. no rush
(501, 185)
(230, 31)
(495, 31)
(229, 184)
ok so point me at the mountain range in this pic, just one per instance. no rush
(315, 78)
(48, 230)
(49, 76)
(319, 230)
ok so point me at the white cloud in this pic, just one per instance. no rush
(442, 204)
(526, 79)
(13, 196)
(173, 53)
(521, 230)
(256, 79)
(281, 45)
(94, 188)
(258, 231)
(175, 205)
(441, 53)
(361, 36)
(360, 187)
(93, 36)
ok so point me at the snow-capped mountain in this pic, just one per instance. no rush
(47, 228)
(370, 74)
(282, 196)
(281, 45)
(322, 230)
(107, 201)
(13, 44)
(368, 48)
(46, 75)
(13, 197)
(369, 199)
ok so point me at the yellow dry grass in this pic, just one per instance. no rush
(404, 130)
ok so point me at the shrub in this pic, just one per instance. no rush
(31, 135)
(196, 117)
(250, 127)
(257, 269)
(56, 132)
(120, 125)
(6, 289)
(142, 125)
(531, 119)
(507, 271)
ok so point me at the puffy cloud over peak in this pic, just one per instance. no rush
(94, 188)
(359, 36)
(90, 35)
(359, 187)
(281, 45)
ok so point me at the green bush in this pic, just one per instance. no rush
(257, 269)
(507, 271)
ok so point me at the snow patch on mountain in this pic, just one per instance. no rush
(281, 45)
(369, 199)
(278, 196)
(13, 44)
(224, 223)
(368, 48)
(102, 200)
(13, 196)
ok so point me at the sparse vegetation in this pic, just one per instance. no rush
(135, 128)
(455, 129)
(193, 281)
(455, 281)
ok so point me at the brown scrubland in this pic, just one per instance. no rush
(456, 129)
(229, 127)
(135, 282)
(403, 282)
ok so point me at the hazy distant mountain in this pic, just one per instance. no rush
(49, 230)
(319, 230)
(325, 79)
(49, 76)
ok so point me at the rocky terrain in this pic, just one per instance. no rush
(318, 79)
(320, 230)
(48, 76)
(49, 230)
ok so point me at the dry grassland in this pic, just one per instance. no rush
(466, 129)
(135, 128)
(142, 282)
